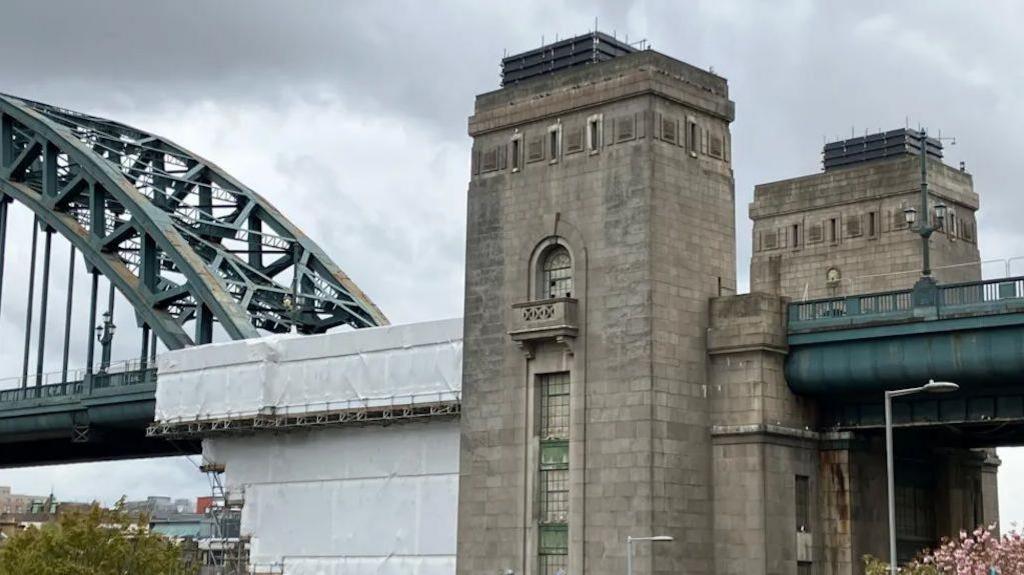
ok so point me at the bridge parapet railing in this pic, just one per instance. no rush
(49, 390)
(128, 373)
(981, 294)
(833, 310)
(77, 382)
(982, 297)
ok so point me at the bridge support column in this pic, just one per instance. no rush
(144, 352)
(5, 203)
(939, 491)
(765, 457)
(68, 308)
(44, 302)
(91, 335)
(853, 511)
(966, 497)
(31, 301)
(107, 338)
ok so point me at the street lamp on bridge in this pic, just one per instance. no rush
(105, 335)
(931, 387)
(925, 228)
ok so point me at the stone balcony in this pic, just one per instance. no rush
(544, 320)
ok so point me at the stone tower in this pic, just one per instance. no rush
(843, 231)
(600, 222)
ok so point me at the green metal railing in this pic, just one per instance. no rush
(989, 296)
(76, 384)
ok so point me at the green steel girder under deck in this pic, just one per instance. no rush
(103, 416)
(847, 351)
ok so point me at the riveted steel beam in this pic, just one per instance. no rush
(167, 213)
(160, 209)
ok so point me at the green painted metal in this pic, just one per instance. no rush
(181, 239)
(951, 301)
(991, 407)
(970, 333)
(102, 399)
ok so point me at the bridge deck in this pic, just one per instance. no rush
(973, 299)
(847, 350)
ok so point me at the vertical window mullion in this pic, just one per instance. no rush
(553, 474)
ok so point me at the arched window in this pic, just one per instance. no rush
(556, 274)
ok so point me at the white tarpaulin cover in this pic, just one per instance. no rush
(371, 500)
(411, 363)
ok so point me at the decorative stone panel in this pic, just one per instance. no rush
(544, 319)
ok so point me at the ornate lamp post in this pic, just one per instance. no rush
(105, 335)
(925, 227)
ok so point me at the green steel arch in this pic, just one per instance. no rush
(181, 239)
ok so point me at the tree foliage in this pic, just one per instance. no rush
(981, 552)
(94, 542)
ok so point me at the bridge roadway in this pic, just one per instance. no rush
(842, 351)
(90, 417)
(846, 351)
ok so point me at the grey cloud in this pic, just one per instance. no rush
(401, 76)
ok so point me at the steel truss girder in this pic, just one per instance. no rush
(167, 228)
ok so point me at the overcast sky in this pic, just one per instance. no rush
(351, 118)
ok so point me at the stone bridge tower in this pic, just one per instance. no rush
(600, 223)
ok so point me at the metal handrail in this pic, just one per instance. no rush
(121, 374)
(54, 377)
(982, 292)
(953, 295)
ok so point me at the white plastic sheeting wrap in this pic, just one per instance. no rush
(372, 500)
(355, 501)
(411, 363)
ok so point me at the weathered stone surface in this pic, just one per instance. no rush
(682, 423)
(648, 218)
(887, 259)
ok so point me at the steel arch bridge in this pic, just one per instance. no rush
(181, 239)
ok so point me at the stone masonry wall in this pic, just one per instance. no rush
(869, 257)
(762, 442)
(648, 218)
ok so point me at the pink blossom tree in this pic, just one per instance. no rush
(978, 553)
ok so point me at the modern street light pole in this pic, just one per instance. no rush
(629, 548)
(931, 387)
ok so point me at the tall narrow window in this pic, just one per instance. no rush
(553, 144)
(557, 274)
(594, 133)
(833, 235)
(692, 138)
(515, 154)
(872, 224)
(553, 479)
(802, 499)
(554, 406)
(795, 235)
